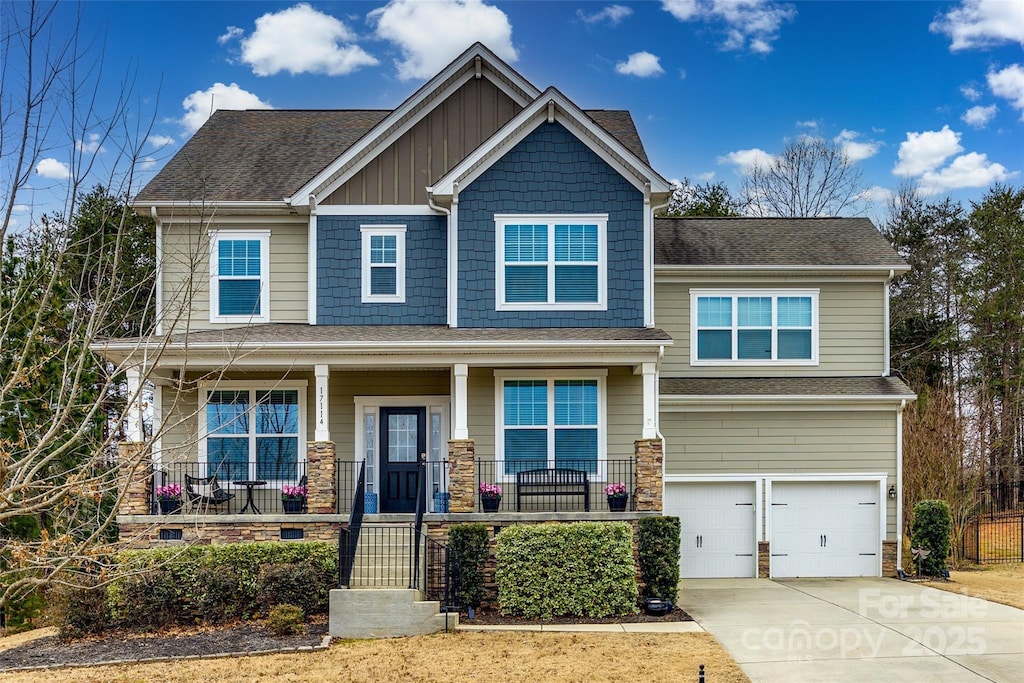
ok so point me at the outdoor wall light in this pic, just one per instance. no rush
(892, 492)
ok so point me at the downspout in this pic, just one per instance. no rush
(886, 361)
(899, 484)
(311, 264)
(159, 294)
(649, 254)
(657, 420)
(450, 291)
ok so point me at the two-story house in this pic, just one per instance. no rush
(477, 278)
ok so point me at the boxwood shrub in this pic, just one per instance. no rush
(580, 569)
(658, 545)
(933, 525)
(468, 545)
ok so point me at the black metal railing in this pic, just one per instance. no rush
(348, 536)
(995, 531)
(346, 474)
(554, 492)
(439, 580)
(254, 489)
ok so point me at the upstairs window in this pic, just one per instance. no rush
(383, 248)
(551, 262)
(239, 276)
(754, 327)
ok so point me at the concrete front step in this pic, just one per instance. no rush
(385, 613)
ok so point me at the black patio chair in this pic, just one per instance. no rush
(206, 492)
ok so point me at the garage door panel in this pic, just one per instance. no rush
(718, 528)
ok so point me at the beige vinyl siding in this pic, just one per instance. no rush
(186, 272)
(401, 173)
(851, 333)
(781, 442)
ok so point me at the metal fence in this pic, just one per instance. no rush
(230, 489)
(561, 486)
(996, 531)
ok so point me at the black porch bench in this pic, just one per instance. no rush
(553, 482)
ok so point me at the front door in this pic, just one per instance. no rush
(403, 436)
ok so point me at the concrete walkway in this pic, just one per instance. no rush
(857, 630)
(649, 627)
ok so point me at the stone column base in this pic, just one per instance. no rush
(138, 472)
(649, 457)
(462, 475)
(320, 474)
(764, 560)
(890, 562)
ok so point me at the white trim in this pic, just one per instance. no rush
(227, 234)
(159, 293)
(648, 259)
(206, 386)
(899, 486)
(650, 401)
(453, 262)
(390, 210)
(158, 423)
(322, 412)
(885, 327)
(366, 232)
(735, 293)
(460, 401)
(697, 402)
(311, 263)
(665, 268)
(550, 220)
(550, 376)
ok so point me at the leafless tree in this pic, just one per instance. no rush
(812, 177)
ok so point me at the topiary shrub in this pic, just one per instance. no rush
(468, 545)
(933, 525)
(658, 545)
(79, 612)
(581, 569)
(285, 619)
(298, 584)
(151, 598)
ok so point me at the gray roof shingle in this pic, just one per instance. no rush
(771, 242)
(266, 155)
(787, 386)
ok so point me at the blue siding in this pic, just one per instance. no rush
(551, 172)
(339, 277)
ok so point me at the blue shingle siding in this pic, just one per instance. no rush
(551, 171)
(339, 276)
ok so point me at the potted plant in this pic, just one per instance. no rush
(293, 498)
(490, 496)
(617, 496)
(169, 497)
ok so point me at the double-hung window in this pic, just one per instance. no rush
(383, 258)
(754, 327)
(551, 262)
(239, 276)
(546, 422)
(253, 433)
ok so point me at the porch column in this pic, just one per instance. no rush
(460, 402)
(650, 373)
(135, 431)
(322, 408)
(649, 457)
(320, 470)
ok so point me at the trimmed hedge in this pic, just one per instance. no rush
(933, 526)
(658, 544)
(468, 545)
(580, 569)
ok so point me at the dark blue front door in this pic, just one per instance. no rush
(403, 437)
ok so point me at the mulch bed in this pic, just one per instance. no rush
(494, 618)
(240, 637)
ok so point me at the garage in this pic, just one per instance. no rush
(719, 522)
(824, 528)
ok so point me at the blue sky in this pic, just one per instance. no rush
(924, 91)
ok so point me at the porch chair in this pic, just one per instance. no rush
(206, 491)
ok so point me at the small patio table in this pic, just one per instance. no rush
(249, 485)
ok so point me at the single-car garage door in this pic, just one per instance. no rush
(718, 520)
(824, 529)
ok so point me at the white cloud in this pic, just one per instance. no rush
(232, 33)
(299, 40)
(706, 177)
(812, 124)
(682, 74)
(748, 24)
(90, 145)
(926, 151)
(970, 92)
(431, 34)
(746, 160)
(856, 151)
(613, 14)
(968, 170)
(147, 164)
(876, 193)
(53, 169)
(979, 116)
(1009, 83)
(201, 104)
(21, 208)
(159, 141)
(641, 64)
(982, 23)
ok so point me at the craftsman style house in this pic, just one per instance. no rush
(477, 279)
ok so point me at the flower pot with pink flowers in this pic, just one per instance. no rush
(618, 496)
(490, 496)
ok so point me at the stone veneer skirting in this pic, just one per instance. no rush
(144, 531)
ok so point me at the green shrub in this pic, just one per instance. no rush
(285, 619)
(933, 525)
(149, 599)
(468, 545)
(24, 611)
(220, 598)
(658, 545)
(78, 612)
(581, 569)
(304, 585)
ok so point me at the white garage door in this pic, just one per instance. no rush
(824, 529)
(718, 520)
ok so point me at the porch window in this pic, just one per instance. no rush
(551, 422)
(239, 283)
(383, 257)
(253, 434)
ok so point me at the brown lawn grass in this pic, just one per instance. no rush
(22, 638)
(1003, 583)
(495, 656)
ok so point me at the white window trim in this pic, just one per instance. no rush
(264, 237)
(774, 293)
(600, 219)
(241, 385)
(550, 376)
(398, 231)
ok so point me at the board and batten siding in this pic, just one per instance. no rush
(782, 442)
(851, 333)
(186, 272)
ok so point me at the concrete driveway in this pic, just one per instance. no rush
(857, 630)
